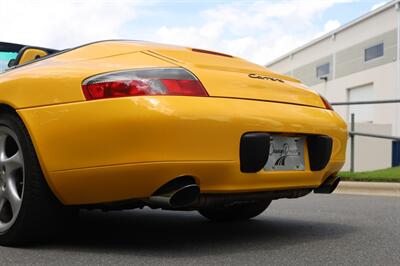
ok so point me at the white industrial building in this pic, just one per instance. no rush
(357, 62)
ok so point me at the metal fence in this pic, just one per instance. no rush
(353, 133)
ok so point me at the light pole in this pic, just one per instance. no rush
(397, 85)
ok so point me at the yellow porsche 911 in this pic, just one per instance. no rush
(127, 124)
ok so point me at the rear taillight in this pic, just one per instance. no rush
(152, 81)
(326, 103)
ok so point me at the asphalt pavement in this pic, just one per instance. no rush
(314, 230)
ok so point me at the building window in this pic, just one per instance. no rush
(323, 70)
(373, 52)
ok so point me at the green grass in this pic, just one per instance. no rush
(382, 175)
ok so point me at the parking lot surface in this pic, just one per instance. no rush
(314, 230)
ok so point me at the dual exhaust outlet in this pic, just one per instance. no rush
(184, 192)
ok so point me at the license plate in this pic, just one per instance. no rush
(285, 154)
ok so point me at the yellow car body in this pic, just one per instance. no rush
(118, 149)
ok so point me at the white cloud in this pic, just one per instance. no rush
(63, 23)
(378, 5)
(204, 36)
(331, 25)
(258, 31)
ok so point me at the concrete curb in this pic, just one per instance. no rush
(369, 188)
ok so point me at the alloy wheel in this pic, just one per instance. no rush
(12, 177)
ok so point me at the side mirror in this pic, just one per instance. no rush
(28, 54)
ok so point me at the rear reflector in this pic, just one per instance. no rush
(326, 103)
(152, 81)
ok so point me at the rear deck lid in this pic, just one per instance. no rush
(227, 76)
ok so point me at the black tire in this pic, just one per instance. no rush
(235, 212)
(39, 212)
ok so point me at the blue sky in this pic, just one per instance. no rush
(256, 30)
(178, 13)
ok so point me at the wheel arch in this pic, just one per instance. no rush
(8, 109)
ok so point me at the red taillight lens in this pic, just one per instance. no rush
(184, 87)
(326, 103)
(161, 81)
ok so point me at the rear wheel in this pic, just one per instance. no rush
(28, 209)
(235, 211)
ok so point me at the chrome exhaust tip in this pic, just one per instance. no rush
(181, 197)
(328, 186)
(177, 193)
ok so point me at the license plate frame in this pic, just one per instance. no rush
(286, 153)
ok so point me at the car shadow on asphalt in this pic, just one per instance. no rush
(182, 234)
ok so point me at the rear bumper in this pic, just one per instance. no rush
(117, 149)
